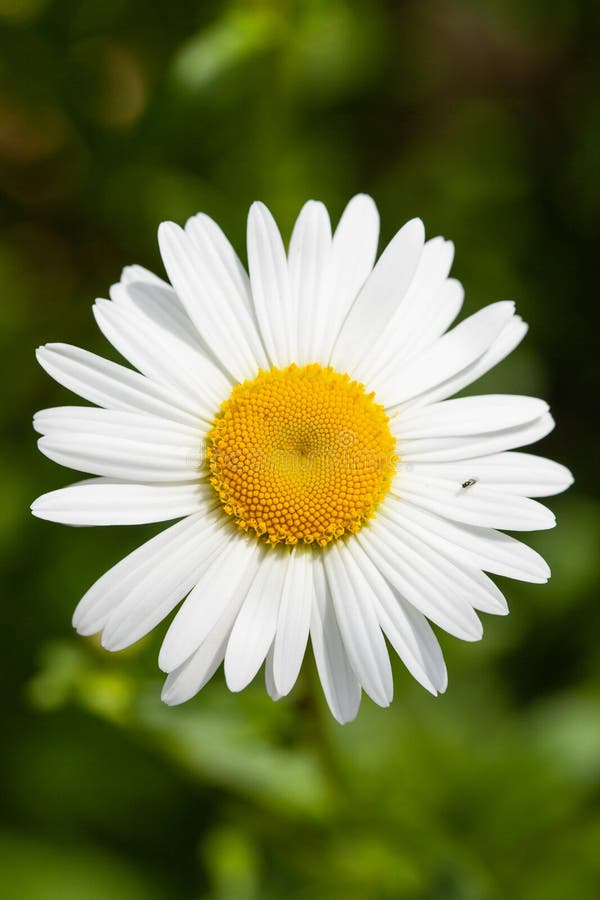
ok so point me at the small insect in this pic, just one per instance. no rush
(469, 482)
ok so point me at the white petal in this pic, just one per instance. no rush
(227, 281)
(407, 629)
(490, 598)
(510, 337)
(110, 385)
(109, 590)
(340, 685)
(355, 611)
(138, 458)
(447, 449)
(134, 274)
(441, 312)
(211, 596)
(217, 249)
(157, 301)
(191, 676)
(419, 582)
(254, 628)
(512, 473)
(293, 621)
(474, 505)
(104, 501)
(197, 382)
(58, 420)
(479, 547)
(309, 261)
(412, 314)
(269, 677)
(468, 415)
(271, 290)
(456, 576)
(379, 297)
(158, 591)
(224, 324)
(184, 683)
(428, 645)
(354, 249)
(443, 359)
(459, 581)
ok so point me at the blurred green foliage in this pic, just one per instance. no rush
(483, 118)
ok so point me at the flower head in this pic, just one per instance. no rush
(296, 421)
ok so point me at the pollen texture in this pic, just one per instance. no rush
(301, 454)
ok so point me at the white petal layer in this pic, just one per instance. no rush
(220, 315)
(107, 501)
(254, 628)
(446, 357)
(112, 386)
(219, 585)
(425, 553)
(355, 610)
(293, 622)
(377, 301)
(340, 685)
(512, 473)
(483, 548)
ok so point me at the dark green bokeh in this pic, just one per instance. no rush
(484, 119)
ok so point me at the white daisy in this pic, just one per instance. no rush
(296, 422)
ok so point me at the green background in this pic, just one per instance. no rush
(484, 119)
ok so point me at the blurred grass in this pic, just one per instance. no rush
(484, 119)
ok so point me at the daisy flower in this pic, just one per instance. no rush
(295, 420)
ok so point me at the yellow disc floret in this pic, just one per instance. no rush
(301, 454)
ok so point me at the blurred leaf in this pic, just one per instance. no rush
(567, 729)
(38, 870)
(231, 751)
(237, 36)
(232, 865)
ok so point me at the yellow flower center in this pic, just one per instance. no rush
(301, 454)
